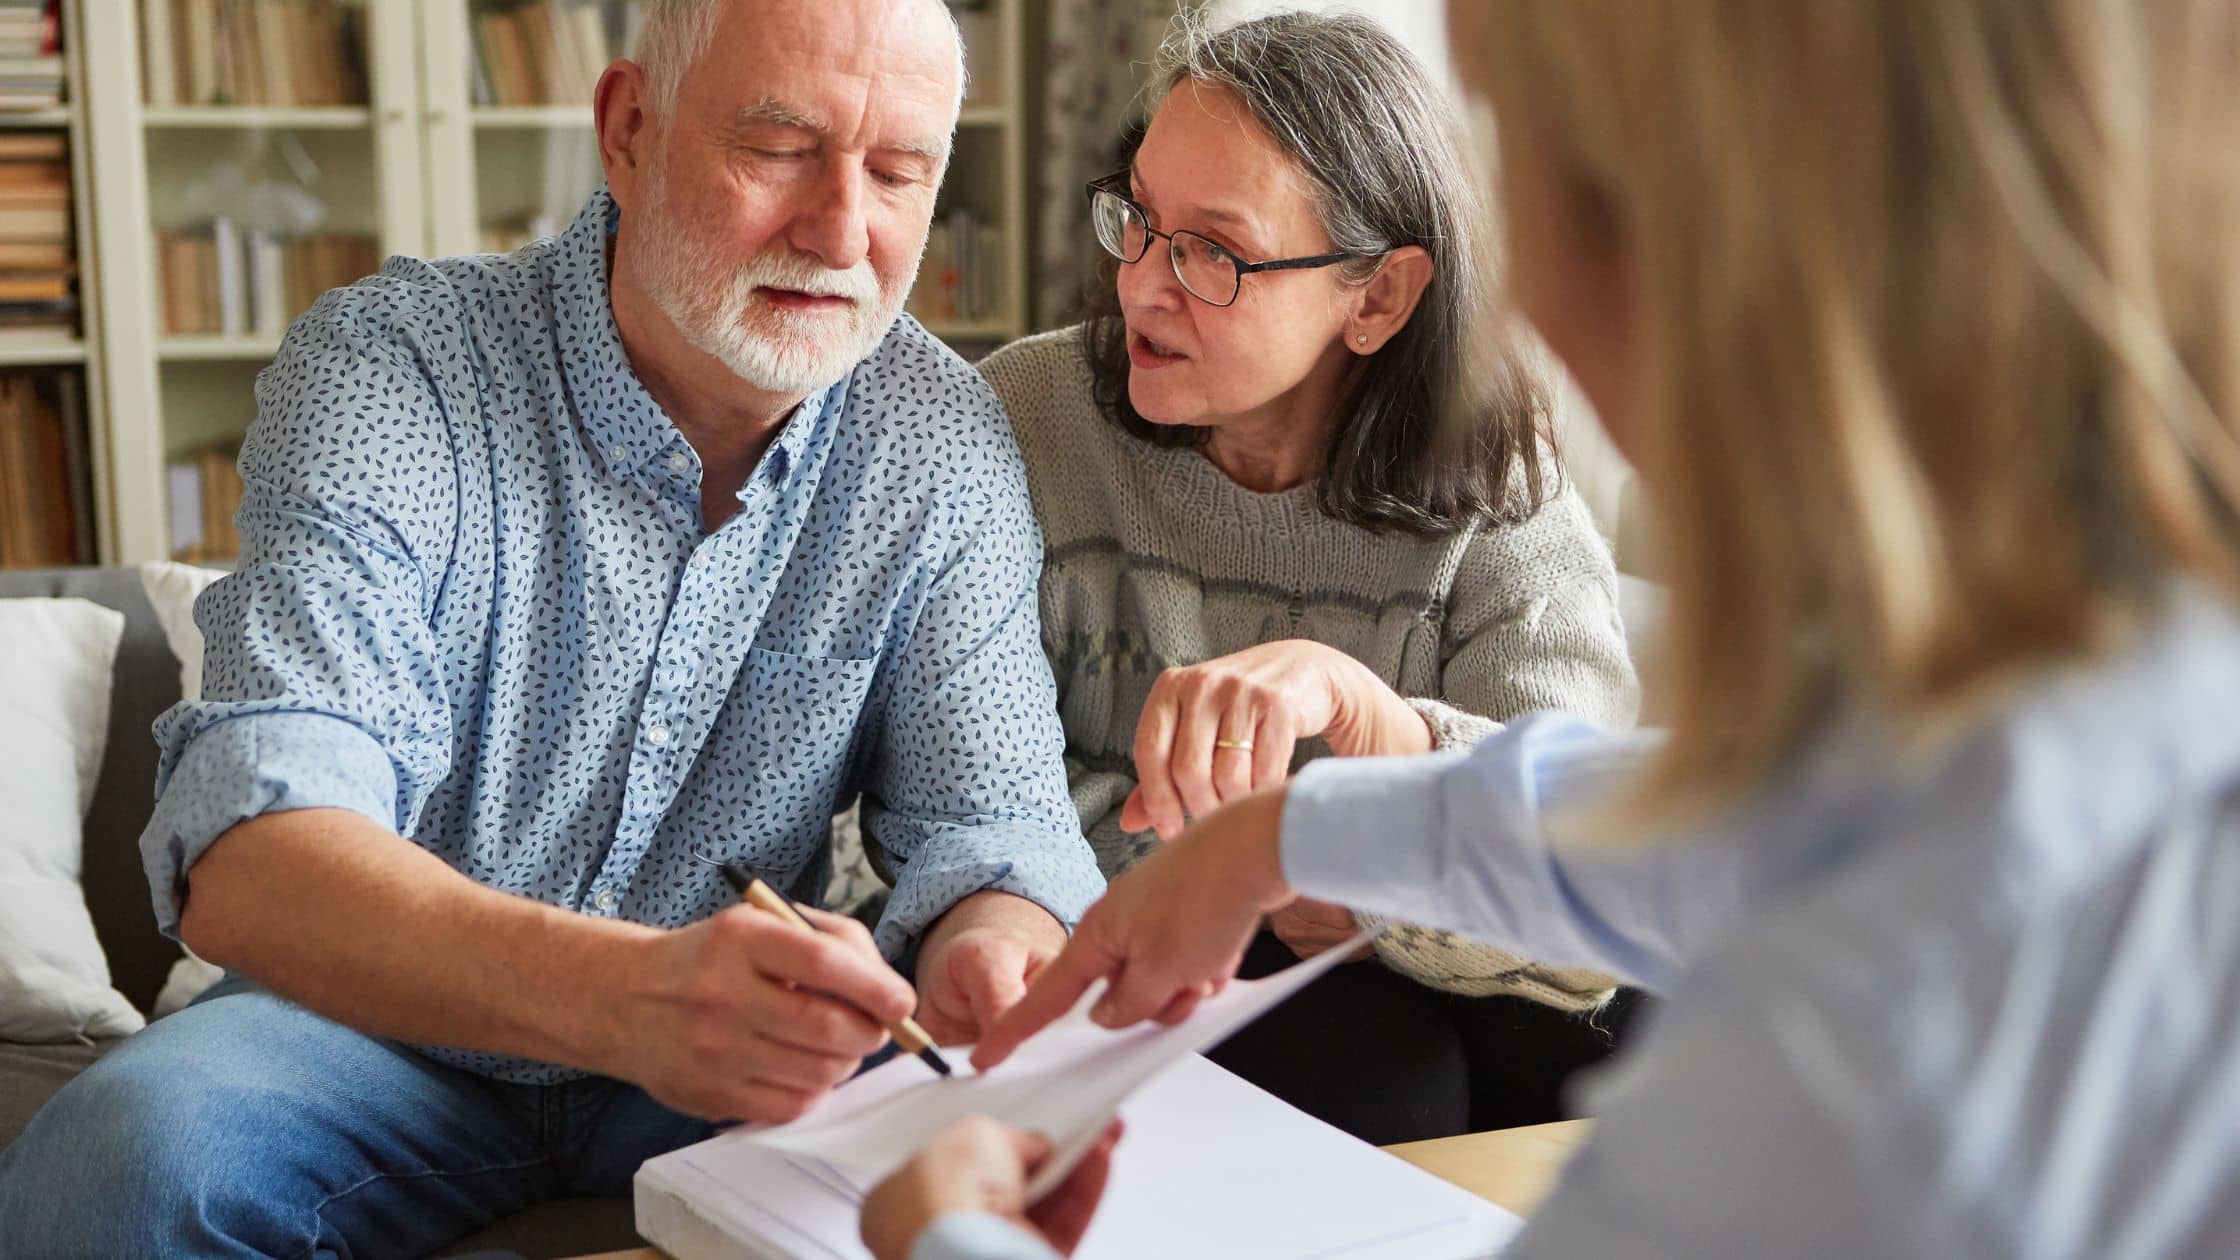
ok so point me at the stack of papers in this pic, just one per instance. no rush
(1210, 1166)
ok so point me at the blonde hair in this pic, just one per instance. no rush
(1939, 308)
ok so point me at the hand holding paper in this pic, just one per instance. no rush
(979, 1165)
(1166, 933)
(1066, 1084)
(1211, 1166)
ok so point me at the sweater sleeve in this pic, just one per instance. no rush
(1533, 625)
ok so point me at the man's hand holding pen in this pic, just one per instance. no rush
(744, 1016)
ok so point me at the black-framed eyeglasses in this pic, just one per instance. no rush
(1207, 269)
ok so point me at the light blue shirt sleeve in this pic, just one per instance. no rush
(978, 1236)
(1976, 1001)
(1461, 840)
(320, 685)
(956, 812)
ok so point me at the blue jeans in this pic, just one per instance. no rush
(248, 1126)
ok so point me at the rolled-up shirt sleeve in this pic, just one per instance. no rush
(1461, 841)
(968, 789)
(320, 684)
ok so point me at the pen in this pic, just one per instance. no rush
(762, 896)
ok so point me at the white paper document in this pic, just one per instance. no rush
(1210, 1166)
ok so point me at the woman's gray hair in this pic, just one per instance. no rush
(675, 33)
(1381, 153)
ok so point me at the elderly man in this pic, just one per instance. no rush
(659, 539)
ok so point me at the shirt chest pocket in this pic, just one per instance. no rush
(797, 717)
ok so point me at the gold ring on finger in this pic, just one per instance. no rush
(1241, 745)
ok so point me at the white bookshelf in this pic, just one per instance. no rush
(420, 166)
(989, 174)
(216, 348)
(257, 117)
(516, 117)
(42, 350)
(166, 167)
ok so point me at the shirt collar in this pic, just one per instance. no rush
(624, 425)
(621, 421)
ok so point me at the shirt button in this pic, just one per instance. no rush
(657, 734)
(604, 899)
(679, 461)
(699, 560)
(617, 453)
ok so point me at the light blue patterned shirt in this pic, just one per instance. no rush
(476, 604)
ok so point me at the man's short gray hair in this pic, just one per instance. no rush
(676, 32)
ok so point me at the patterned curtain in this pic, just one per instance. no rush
(1099, 56)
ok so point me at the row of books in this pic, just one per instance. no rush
(46, 486)
(548, 52)
(253, 52)
(30, 54)
(204, 488)
(223, 279)
(38, 271)
(961, 277)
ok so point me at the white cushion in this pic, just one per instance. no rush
(172, 589)
(189, 977)
(57, 659)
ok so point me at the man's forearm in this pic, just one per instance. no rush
(334, 911)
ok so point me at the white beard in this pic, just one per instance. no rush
(792, 353)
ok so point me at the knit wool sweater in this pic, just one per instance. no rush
(1154, 559)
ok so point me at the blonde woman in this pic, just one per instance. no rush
(1922, 317)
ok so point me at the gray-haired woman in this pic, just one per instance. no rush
(1256, 551)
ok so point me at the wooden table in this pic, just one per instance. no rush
(1513, 1168)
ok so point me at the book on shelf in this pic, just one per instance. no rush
(34, 146)
(961, 276)
(34, 223)
(204, 492)
(35, 286)
(38, 267)
(46, 503)
(277, 53)
(223, 279)
(546, 52)
(35, 256)
(31, 75)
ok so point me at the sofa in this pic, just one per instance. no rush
(141, 958)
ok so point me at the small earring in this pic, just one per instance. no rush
(1361, 339)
